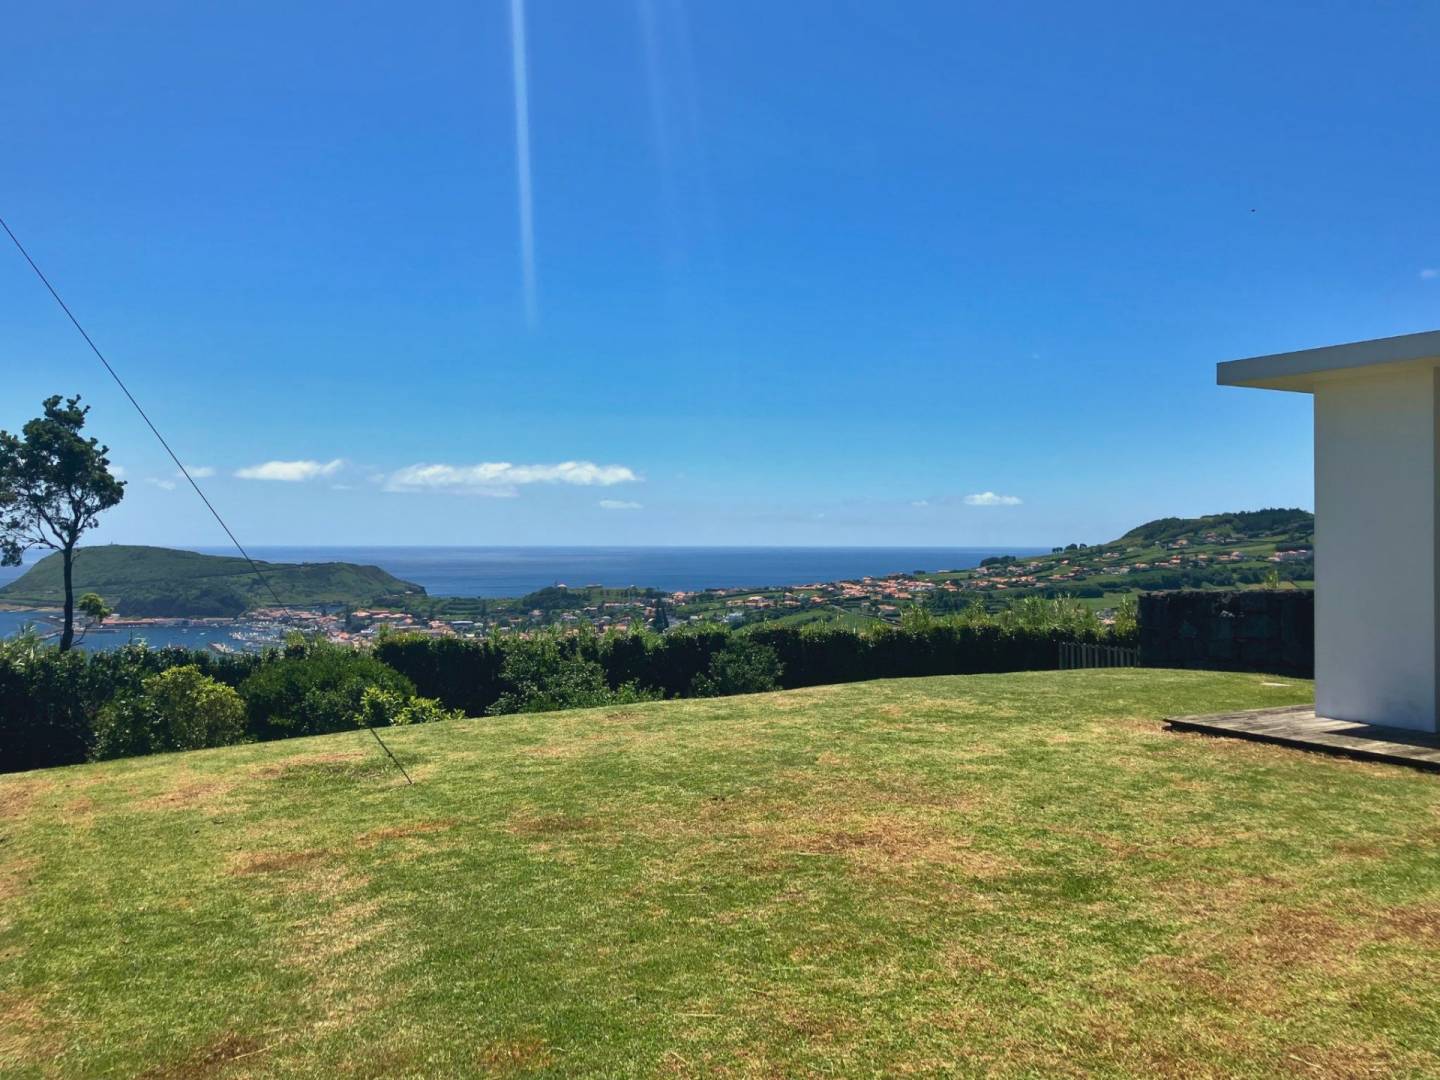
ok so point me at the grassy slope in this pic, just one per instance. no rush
(1004, 875)
(151, 580)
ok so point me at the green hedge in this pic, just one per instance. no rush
(463, 673)
(470, 675)
(49, 701)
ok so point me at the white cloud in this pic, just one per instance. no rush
(290, 471)
(164, 485)
(619, 504)
(199, 472)
(989, 498)
(1430, 273)
(501, 478)
(921, 502)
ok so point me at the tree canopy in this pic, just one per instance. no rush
(54, 484)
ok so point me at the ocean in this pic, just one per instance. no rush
(514, 571)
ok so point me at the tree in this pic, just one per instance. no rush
(661, 622)
(54, 484)
(742, 667)
(95, 610)
(179, 709)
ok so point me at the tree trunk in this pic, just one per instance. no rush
(67, 638)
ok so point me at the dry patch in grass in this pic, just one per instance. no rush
(79, 812)
(1300, 936)
(616, 732)
(571, 748)
(270, 861)
(1241, 754)
(1420, 922)
(886, 823)
(400, 832)
(345, 928)
(18, 796)
(814, 1027)
(796, 699)
(883, 843)
(192, 793)
(1248, 964)
(25, 1034)
(621, 716)
(14, 877)
(1343, 1061)
(342, 941)
(209, 1060)
(513, 1055)
(1140, 1053)
(301, 762)
(900, 838)
(530, 824)
(346, 949)
(959, 958)
(1355, 850)
(274, 862)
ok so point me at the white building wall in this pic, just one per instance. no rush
(1375, 548)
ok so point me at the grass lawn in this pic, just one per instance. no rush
(1011, 875)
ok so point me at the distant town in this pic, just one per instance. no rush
(354, 605)
(1254, 550)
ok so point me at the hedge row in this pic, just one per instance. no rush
(469, 674)
(50, 702)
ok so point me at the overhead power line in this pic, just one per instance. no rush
(148, 422)
(254, 566)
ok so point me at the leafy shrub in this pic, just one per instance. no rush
(545, 674)
(379, 707)
(1125, 630)
(382, 708)
(49, 700)
(424, 710)
(179, 709)
(1037, 615)
(742, 667)
(315, 688)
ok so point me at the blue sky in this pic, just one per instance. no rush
(805, 273)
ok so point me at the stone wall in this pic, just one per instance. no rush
(1244, 630)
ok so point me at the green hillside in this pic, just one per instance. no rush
(1236, 550)
(162, 581)
(1240, 550)
(1217, 528)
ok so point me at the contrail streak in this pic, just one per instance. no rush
(522, 157)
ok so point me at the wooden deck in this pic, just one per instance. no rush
(1299, 727)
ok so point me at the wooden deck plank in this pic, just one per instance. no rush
(1297, 726)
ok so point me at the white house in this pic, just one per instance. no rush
(1377, 497)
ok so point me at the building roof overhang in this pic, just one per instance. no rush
(1302, 371)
